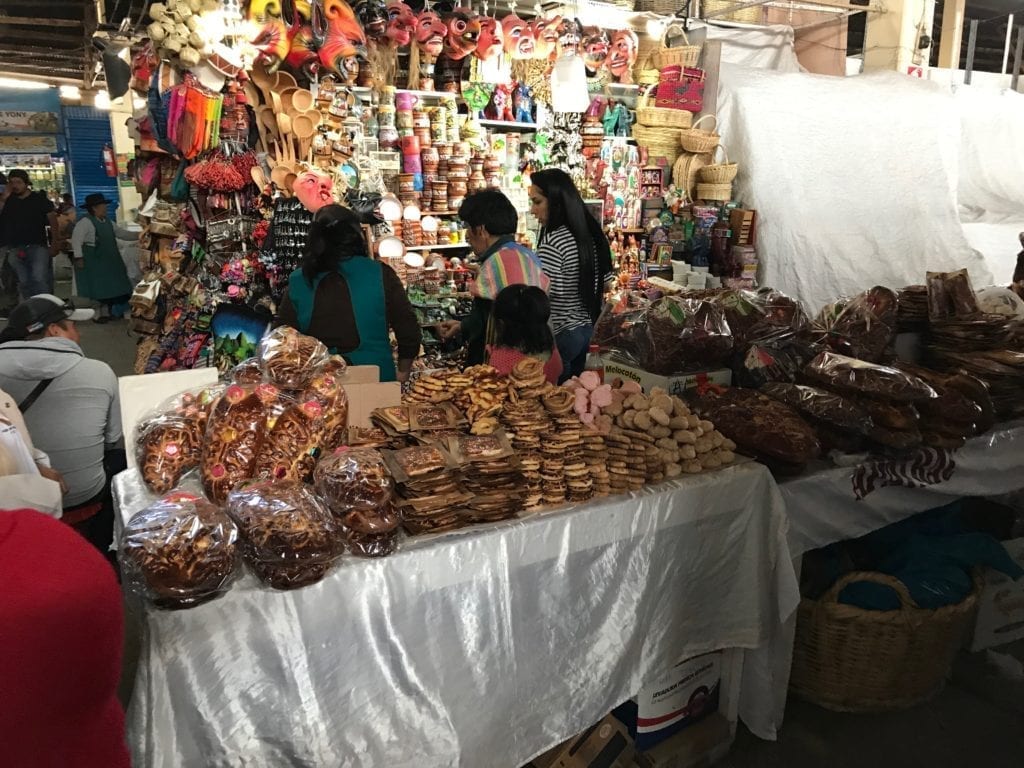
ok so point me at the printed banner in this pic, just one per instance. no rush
(25, 144)
(24, 121)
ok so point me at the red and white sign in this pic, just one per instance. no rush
(916, 71)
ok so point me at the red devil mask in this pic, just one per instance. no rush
(463, 33)
(430, 33)
(570, 36)
(492, 39)
(545, 35)
(401, 23)
(622, 55)
(519, 41)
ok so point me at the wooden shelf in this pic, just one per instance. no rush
(508, 126)
(445, 247)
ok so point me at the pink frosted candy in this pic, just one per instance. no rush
(602, 396)
(618, 396)
(594, 408)
(631, 388)
(590, 380)
(572, 383)
(580, 408)
(582, 395)
(587, 418)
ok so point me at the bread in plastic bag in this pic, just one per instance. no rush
(292, 443)
(821, 405)
(763, 317)
(235, 432)
(950, 295)
(288, 536)
(861, 327)
(685, 335)
(248, 372)
(849, 374)
(357, 486)
(179, 552)
(327, 389)
(290, 359)
(165, 449)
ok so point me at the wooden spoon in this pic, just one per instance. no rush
(286, 99)
(302, 100)
(284, 126)
(268, 119)
(259, 178)
(280, 176)
(285, 80)
(263, 80)
(304, 129)
(289, 183)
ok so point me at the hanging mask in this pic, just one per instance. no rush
(302, 55)
(595, 48)
(570, 37)
(545, 35)
(341, 42)
(622, 54)
(430, 33)
(519, 42)
(314, 190)
(492, 39)
(401, 24)
(373, 17)
(463, 33)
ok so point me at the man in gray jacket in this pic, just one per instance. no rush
(70, 404)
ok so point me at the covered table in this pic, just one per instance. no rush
(476, 649)
(839, 503)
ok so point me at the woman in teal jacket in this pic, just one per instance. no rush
(350, 301)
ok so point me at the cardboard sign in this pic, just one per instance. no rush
(684, 695)
(674, 385)
(1001, 605)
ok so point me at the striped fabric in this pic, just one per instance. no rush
(513, 264)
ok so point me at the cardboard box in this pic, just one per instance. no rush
(699, 746)
(604, 745)
(675, 385)
(683, 696)
(1001, 605)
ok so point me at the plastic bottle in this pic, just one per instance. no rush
(594, 362)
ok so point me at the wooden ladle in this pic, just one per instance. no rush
(302, 100)
(279, 175)
(304, 129)
(264, 81)
(284, 127)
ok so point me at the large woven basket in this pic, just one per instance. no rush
(659, 117)
(685, 171)
(850, 659)
(720, 192)
(682, 55)
(719, 173)
(751, 15)
(699, 140)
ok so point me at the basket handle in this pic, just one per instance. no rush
(702, 119)
(725, 152)
(906, 601)
(679, 28)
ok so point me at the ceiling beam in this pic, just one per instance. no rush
(78, 51)
(42, 68)
(30, 21)
(72, 37)
(51, 79)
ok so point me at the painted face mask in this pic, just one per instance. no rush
(314, 190)
(373, 17)
(519, 42)
(430, 33)
(570, 37)
(622, 55)
(545, 35)
(463, 33)
(492, 39)
(302, 55)
(595, 48)
(401, 24)
(341, 42)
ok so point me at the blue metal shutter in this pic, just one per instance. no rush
(88, 132)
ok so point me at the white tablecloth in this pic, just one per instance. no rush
(475, 650)
(823, 508)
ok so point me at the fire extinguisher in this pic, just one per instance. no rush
(109, 161)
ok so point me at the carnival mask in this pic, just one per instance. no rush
(519, 42)
(302, 56)
(463, 33)
(272, 43)
(401, 23)
(622, 54)
(545, 35)
(492, 39)
(595, 48)
(340, 40)
(430, 33)
(570, 37)
(373, 16)
(314, 190)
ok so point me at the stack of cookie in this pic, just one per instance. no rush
(527, 380)
(492, 475)
(618, 448)
(596, 458)
(428, 388)
(526, 423)
(430, 492)
(552, 470)
(567, 435)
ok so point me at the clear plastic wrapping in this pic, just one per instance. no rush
(357, 486)
(861, 327)
(288, 536)
(848, 374)
(234, 435)
(290, 359)
(248, 372)
(165, 449)
(179, 552)
(763, 317)
(821, 405)
(950, 294)
(292, 442)
(326, 388)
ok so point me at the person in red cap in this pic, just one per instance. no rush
(61, 636)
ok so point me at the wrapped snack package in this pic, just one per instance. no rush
(821, 405)
(762, 317)
(848, 374)
(236, 430)
(290, 359)
(685, 335)
(248, 372)
(179, 552)
(288, 536)
(358, 488)
(292, 443)
(326, 389)
(166, 448)
(861, 327)
(950, 295)
(619, 327)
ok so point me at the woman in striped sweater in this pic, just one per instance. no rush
(574, 254)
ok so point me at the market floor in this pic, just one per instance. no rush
(977, 720)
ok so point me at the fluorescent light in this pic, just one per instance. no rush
(70, 92)
(25, 85)
(101, 100)
(138, 102)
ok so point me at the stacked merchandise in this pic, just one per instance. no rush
(429, 486)
(567, 437)
(530, 429)
(492, 475)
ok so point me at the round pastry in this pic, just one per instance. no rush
(179, 552)
(372, 533)
(233, 439)
(290, 359)
(329, 392)
(291, 446)
(165, 449)
(288, 536)
(353, 478)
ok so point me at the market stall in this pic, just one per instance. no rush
(501, 640)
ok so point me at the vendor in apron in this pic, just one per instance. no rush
(349, 301)
(100, 273)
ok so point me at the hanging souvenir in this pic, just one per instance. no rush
(463, 33)
(401, 24)
(570, 37)
(430, 33)
(500, 105)
(272, 44)
(302, 56)
(340, 40)
(373, 16)
(519, 41)
(622, 55)
(492, 39)
(314, 190)
(545, 35)
(595, 49)
(522, 104)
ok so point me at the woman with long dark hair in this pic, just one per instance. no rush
(519, 328)
(575, 255)
(348, 300)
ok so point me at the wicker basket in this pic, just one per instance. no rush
(682, 55)
(719, 173)
(850, 659)
(665, 7)
(719, 192)
(660, 117)
(698, 140)
(751, 15)
(685, 171)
